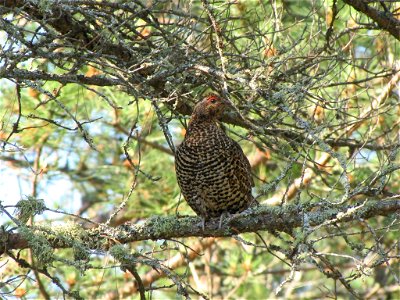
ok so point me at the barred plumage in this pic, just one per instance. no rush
(212, 171)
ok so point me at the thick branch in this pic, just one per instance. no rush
(262, 218)
(384, 20)
(64, 78)
(273, 219)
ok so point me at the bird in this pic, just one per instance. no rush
(212, 171)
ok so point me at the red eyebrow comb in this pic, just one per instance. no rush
(212, 97)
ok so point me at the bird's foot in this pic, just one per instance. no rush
(232, 217)
(236, 215)
(203, 223)
(225, 215)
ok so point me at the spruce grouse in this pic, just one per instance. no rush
(212, 171)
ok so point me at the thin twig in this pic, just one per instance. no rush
(15, 128)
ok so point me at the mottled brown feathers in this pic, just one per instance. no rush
(212, 171)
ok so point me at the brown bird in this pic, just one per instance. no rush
(212, 171)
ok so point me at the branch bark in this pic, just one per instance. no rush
(262, 218)
(385, 20)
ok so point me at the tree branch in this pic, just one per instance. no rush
(272, 219)
(384, 20)
(63, 78)
(76, 31)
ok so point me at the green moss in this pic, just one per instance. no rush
(269, 209)
(42, 239)
(70, 231)
(44, 5)
(187, 222)
(122, 254)
(29, 207)
(40, 246)
(162, 225)
(67, 234)
(119, 252)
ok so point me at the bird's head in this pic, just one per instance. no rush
(210, 108)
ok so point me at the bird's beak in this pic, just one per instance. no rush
(227, 103)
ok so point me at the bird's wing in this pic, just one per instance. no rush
(190, 179)
(243, 165)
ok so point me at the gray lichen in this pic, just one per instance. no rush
(41, 247)
(27, 208)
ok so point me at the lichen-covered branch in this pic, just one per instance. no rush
(272, 219)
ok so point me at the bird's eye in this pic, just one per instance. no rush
(213, 101)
